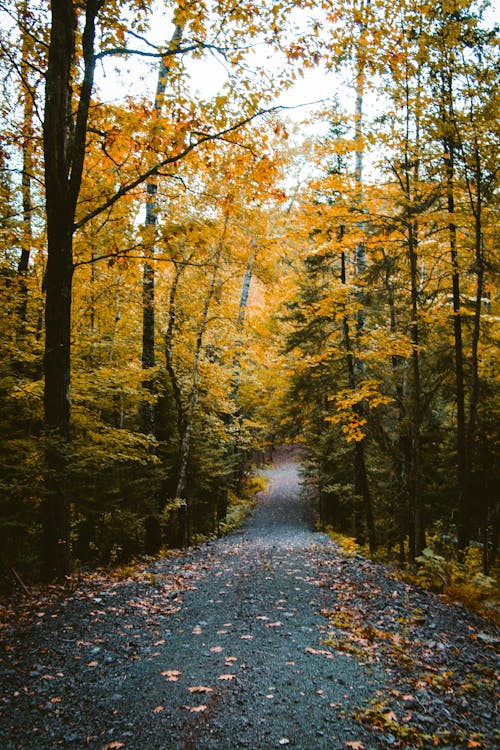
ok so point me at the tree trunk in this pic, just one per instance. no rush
(148, 278)
(64, 153)
(356, 366)
(363, 506)
(463, 512)
(58, 283)
(27, 234)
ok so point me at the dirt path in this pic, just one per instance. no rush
(224, 647)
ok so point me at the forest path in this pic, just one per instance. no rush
(224, 647)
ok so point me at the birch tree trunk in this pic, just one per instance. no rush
(148, 274)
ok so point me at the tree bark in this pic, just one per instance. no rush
(463, 525)
(64, 152)
(27, 233)
(356, 366)
(148, 277)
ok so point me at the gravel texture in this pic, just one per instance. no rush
(268, 638)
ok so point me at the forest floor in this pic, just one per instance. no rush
(268, 638)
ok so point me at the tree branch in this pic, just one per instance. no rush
(171, 160)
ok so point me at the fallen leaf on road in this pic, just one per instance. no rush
(355, 745)
(227, 676)
(277, 624)
(172, 675)
(114, 746)
(320, 651)
(196, 709)
(158, 709)
(216, 649)
(200, 689)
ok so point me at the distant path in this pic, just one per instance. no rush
(223, 648)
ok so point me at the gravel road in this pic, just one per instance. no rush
(264, 639)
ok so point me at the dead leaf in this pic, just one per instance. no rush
(172, 675)
(114, 746)
(200, 689)
(158, 709)
(216, 649)
(198, 709)
(276, 624)
(320, 651)
(93, 664)
(355, 745)
(227, 676)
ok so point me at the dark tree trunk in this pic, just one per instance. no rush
(58, 282)
(64, 151)
(463, 511)
(363, 507)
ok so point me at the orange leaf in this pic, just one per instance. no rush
(355, 745)
(197, 709)
(200, 689)
(172, 675)
(158, 709)
(114, 746)
(227, 676)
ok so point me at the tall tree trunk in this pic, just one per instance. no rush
(64, 153)
(401, 453)
(363, 513)
(463, 526)
(361, 484)
(27, 233)
(58, 284)
(414, 477)
(148, 278)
